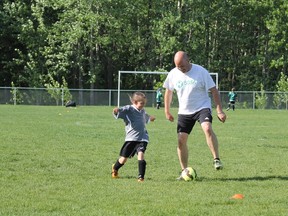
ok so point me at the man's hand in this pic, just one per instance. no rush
(221, 116)
(169, 117)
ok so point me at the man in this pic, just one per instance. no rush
(192, 83)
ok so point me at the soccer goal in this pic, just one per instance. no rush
(213, 75)
(133, 72)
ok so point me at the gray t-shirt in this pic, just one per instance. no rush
(135, 121)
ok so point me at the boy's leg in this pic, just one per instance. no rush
(115, 167)
(119, 163)
(141, 166)
(158, 105)
(229, 104)
(125, 152)
(142, 169)
(233, 106)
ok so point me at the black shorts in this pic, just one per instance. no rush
(232, 102)
(130, 148)
(187, 122)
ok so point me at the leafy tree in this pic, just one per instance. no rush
(278, 45)
(282, 91)
(87, 42)
(58, 91)
(261, 99)
(17, 97)
(11, 48)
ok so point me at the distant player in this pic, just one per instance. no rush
(232, 99)
(159, 98)
(136, 140)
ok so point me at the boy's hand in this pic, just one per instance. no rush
(115, 110)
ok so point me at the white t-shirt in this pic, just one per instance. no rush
(192, 88)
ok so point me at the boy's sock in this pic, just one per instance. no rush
(117, 165)
(141, 168)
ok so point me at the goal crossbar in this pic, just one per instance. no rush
(147, 72)
(133, 72)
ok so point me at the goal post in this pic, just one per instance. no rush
(216, 78)
(150, 72)
(133, 72)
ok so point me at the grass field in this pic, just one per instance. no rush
(57, 161)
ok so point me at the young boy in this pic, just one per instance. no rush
(159, 98)
(137, 138)
(232, 99)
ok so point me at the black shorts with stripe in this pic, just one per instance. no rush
(130, 148)
(187, 122)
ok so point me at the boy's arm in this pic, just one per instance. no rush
(152, 118)
(115, 112)
(149, 118)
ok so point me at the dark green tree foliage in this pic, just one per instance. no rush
(12, 47)
(87, 42)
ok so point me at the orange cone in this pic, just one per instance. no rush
(237, 196)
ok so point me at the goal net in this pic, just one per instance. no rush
(213, 75)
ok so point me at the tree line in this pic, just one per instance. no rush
(84, 43)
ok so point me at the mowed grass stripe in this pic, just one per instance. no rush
(57, 161)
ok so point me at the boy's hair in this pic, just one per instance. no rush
(138, 96)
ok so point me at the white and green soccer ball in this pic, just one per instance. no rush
(189, 174)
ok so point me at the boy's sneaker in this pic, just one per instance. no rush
(114, 172)
(140, 180)
(217, 164)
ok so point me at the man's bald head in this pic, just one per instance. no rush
(181, 61)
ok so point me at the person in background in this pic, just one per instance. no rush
(136, 140)
(192, 83)
(232, 95)
(159, 98)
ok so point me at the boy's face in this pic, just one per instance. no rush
(139, 104)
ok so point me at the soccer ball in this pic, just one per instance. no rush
(189, 174)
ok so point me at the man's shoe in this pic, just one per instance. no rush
(217, 164)
(180, 178)
(114, 172)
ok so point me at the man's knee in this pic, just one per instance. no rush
(182, 139)
(207, 128)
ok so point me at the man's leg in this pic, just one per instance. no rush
(211, 139)
(212, 143)
(182, 149)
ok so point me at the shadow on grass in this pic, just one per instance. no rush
(200, 179)
(255, 178)
(132, 177)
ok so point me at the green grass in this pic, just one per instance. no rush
(57, 161)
